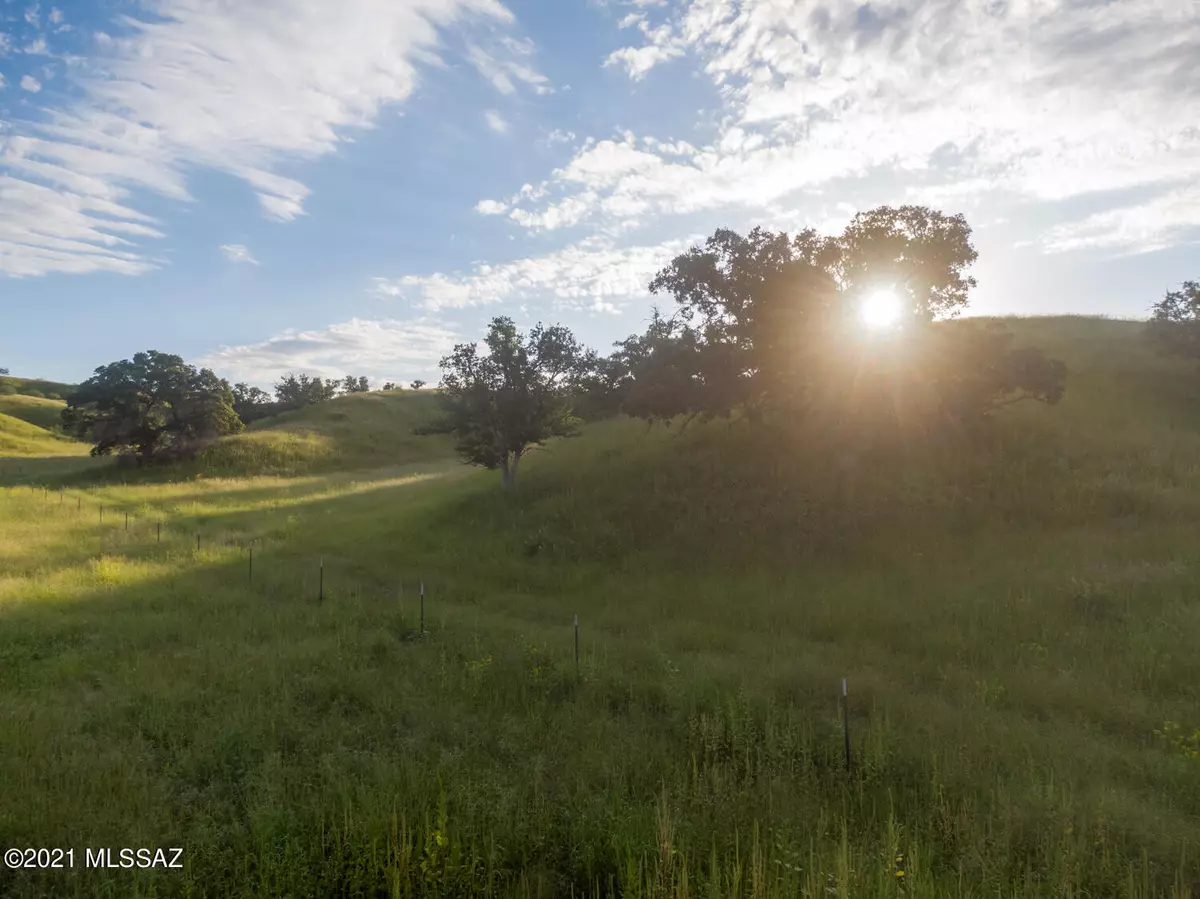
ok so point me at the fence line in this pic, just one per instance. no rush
(378, 591)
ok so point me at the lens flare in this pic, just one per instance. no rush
(881, 309)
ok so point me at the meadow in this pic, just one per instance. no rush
(242, 670)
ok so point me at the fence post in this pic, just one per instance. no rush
(422, 607)
(577, 644)
(197, 541)
(127, 521)
(250, 573)
(321, 583)
(846, 721)
(101, 513)
(158, 531)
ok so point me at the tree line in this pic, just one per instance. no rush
(764, 328)
(156, 407)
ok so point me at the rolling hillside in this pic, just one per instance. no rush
(19, 437)
(358, 431)
(43, 413)
(35, 387)
(1016, 623)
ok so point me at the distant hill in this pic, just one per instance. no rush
(35, 387)
(357, 431)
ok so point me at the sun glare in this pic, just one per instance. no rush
(880, 309)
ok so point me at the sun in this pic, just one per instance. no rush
(880, 309)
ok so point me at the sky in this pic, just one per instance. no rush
(264, 186)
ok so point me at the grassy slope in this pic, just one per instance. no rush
(24, 385)
(358, 431)
(38, 411)
(1015, 626)
(19, 437)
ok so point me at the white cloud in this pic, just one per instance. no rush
(36, 47)
(1169, 219)
(592, 274)
(661, 44)
(495, 121)
(490, 207)
(1013, 96)
(3, 81)
(242, 88)
(56, 16)
(558, 136)
(236, 252)
(31, 84)
(506, 69)
(385, 349)
(640, 60)
(31, 14)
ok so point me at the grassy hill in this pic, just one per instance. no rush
(43, 413)
(1017, 627)
(19, 437)
(35, 386)
(357, 431)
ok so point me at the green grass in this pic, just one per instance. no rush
(1017, 626)
(357, 431)
(19, 438)
(44, 413)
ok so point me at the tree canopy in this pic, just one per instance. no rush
(152, 407)
(515, 396)
(1175, 321)
(769, 324)
(294, 392)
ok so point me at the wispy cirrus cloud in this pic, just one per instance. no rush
(496, 122)
(245, 88)
(1167, 220)
(384, 349)
(508, 66)
(236, 252)
(1020, 98)
(594, 274)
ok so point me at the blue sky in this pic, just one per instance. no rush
(303, 185)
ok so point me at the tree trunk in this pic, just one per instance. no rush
(508, 470)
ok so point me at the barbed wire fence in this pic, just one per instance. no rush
(299, 576)
(268, 569)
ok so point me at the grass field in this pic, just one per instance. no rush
(1017, 627)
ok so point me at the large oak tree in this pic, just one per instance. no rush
(152, 407)
(768, 324)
